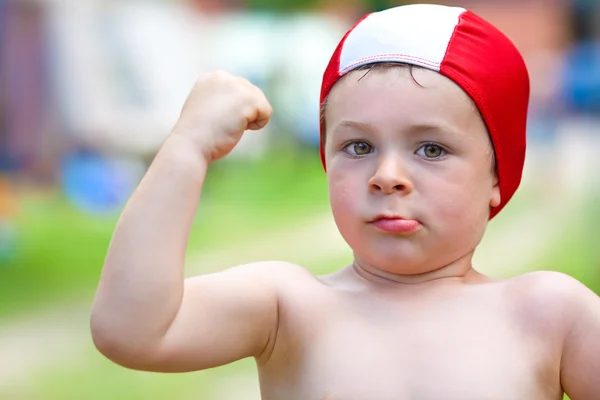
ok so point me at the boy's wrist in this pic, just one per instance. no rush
(183, 144)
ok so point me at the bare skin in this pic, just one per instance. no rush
(410, 319)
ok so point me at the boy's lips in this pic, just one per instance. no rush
(395, 224)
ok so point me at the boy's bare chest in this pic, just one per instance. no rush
(413, 353)
(422, 365)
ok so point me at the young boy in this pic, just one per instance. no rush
(423, 140)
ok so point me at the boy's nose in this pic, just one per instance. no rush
(390, 177)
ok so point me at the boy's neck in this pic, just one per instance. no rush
(460, 271)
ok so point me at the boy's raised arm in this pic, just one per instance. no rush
(580, 363)
(145, 316)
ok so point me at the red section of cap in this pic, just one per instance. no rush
(486, 64)
(330, 77)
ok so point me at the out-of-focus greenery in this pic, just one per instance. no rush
(61, 250)
(579, 254)
(96, 378)
(295, 5)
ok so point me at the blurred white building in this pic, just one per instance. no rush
(122, 70)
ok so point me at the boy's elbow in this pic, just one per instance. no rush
(120, 348)
(107, 342)
(110, 348)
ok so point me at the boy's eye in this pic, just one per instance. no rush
(358, 148)
(431, 150)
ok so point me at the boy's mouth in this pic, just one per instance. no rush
(395, 224)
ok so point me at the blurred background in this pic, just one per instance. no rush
(90, 88)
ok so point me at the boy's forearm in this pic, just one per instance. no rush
(142, 281)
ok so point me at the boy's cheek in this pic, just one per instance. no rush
(342, 183)
(345, 202)
(464, 209)
(342, 202)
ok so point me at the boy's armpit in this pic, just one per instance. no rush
(580, 363)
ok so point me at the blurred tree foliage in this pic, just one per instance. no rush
(278, 5)
(294, 5)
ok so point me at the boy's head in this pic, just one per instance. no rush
(427, 124)
(459, 45)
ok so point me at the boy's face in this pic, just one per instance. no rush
(421, 153)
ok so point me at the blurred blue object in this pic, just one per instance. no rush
(97, 183)
(582, 78)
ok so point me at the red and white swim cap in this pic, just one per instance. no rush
(461, 46)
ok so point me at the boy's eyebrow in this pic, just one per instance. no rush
(356, 125)
(416, 128)
(423, 128)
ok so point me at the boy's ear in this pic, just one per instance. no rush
(495, 197)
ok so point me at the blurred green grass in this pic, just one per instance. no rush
(61, 250)
(578, 254)
(96, 378)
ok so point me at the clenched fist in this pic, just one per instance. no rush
(218, 110)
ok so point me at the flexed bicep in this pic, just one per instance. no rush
(224, 317)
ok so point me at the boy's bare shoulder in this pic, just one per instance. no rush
(279, 273)
(548, 286)
(552, 300)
